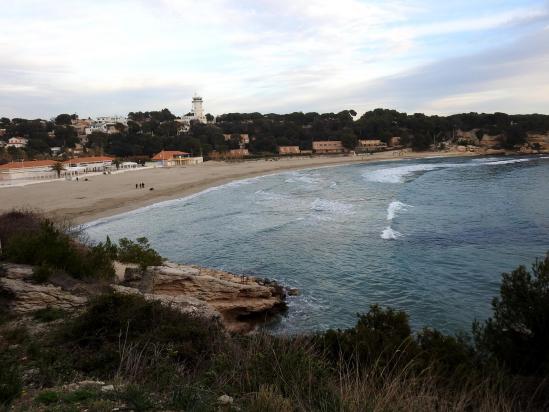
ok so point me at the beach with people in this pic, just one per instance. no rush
(106, 195)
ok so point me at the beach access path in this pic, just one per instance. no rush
(106, 195)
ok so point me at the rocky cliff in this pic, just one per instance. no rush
(239, 302)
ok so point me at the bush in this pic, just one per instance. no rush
(11, 383)
(518, 333)
(49, 314)
(139, 252)
(381, 336)
(42, 273)
(42, 243)
(116, 328)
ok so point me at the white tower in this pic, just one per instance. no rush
(198, 110)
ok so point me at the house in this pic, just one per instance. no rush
(236, 153)
(17, 142)
(370, 145)
(42, 169)
(394, 141)
(169, 158)
(89, 164)
(27, 169)
(288, 150)
(328, 147)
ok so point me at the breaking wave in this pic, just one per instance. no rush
(331, 206)
(400, 173)
(394, 207)
(390, 234)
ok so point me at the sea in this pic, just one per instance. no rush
(430, 236)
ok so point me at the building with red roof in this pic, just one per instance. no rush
(42, 169)
(169, 158)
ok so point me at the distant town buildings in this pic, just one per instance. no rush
(17, 142)
(171, 158)
(328, 147)
(42, 169)
(102, 124)
(288, 150)
(370, 145)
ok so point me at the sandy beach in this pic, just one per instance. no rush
(106, 195)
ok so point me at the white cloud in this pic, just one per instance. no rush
(249, 55)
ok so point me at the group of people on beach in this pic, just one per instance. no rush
(140, 185)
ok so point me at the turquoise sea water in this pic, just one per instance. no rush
(429, 236)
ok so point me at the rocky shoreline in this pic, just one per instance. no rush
(239, 303)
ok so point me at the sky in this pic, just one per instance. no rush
(110, 57)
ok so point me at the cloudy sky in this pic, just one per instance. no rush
(100, 57)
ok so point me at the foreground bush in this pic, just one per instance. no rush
(518, 334)
(40, 241)
(120, 332)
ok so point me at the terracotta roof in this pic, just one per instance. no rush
(168, 154)
(89, 159)
(43, 163)
(26, 163)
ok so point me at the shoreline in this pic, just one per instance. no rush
(106, 196)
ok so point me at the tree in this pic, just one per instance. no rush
(518, 333)
(209, 117)
(63, 119)
(349, 139)
(58, 167)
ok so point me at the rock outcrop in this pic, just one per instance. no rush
(239, 302)
(23, 297)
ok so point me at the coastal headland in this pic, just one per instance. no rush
(107, 195)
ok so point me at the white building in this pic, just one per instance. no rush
(112, 119)
(17, 142)
(197, 112)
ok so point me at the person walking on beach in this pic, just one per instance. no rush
(136, 185)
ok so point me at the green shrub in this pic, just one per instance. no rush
(48, 314)
(48, 397)
(11, 383)
(139, 252)
(518, 333)
(450, 357)
(116, 326)
(42, 273)
(49, 247)
(381, 336)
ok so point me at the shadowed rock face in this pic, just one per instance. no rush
(239, 302)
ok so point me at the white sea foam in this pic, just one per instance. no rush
(394, 207)
(331, 206)
(296, 177)
(390, 234)
(400, 173)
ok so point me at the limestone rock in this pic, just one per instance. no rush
(225, 400)
(15, 271)
(26, 297)
(238, 299)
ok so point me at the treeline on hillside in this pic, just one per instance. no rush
(160, 358)
(149, 132)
